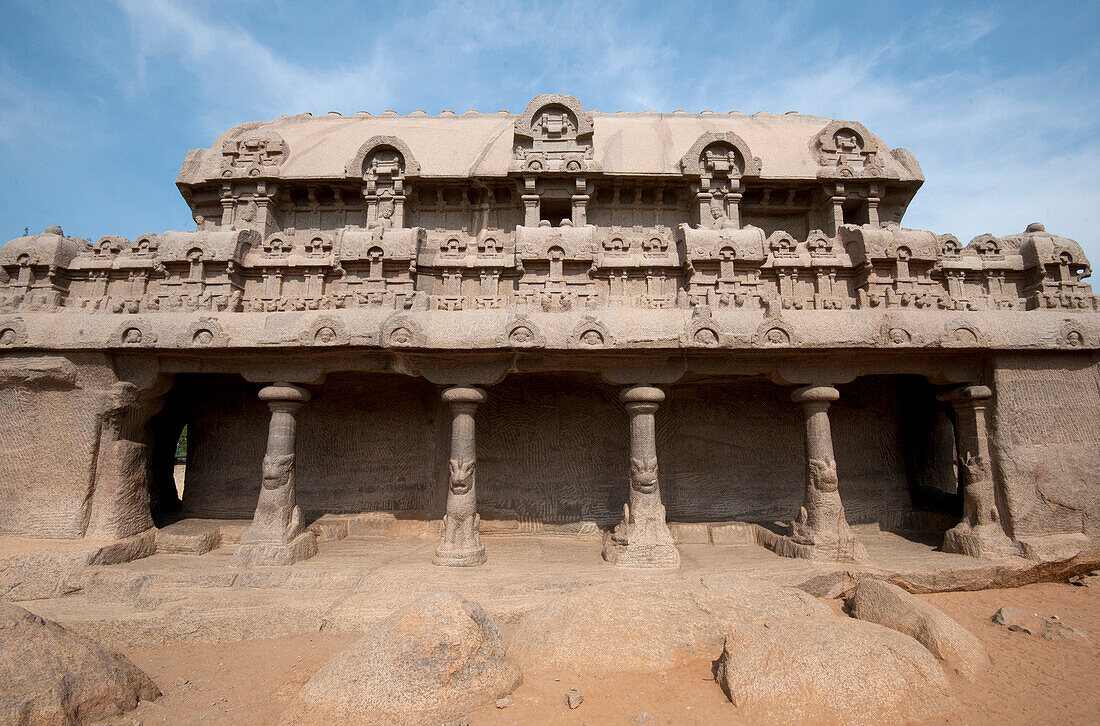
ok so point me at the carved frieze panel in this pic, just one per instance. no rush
(720, 156)
(520, 332)
(746, 244)
(591, 334)
(205, 332)
(639, 247)
(325, 331)
(134, 333)
(13, 333)
(401, 331)
(382, 157)
(774, 333)
(702, 330)
(554, 134)
(253, 153)
(847, 150)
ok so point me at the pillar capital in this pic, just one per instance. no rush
(967, 395)
(284, 392)
(464, 394)
(815, 394)
(642, 393)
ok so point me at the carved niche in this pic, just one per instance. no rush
(847, 150)
(717, 162)
(253, 153)
(384, 163)
(554, 134)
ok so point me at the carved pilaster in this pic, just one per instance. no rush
(642, 539)
(277, 535)
(980, 533)
(460, 545)
(821, 530)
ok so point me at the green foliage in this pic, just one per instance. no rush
(181, 446)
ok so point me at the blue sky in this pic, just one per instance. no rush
(99, 100)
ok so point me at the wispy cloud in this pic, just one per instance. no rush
(238, 72)
(1002, 140)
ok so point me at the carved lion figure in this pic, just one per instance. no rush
(823, 475)
(462, 472)
(643, 475)
(277, 470)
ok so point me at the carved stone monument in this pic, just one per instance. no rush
(364, 296)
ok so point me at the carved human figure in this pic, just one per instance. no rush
(460, 545)
(821, 527)
(383, 220)
(642, 538)
(325, 336)
(980, 532)
(521, 334)
(706, 336)
(719, 219)
(132, 336)
(592, 337)
(7, 336)
(277, 535)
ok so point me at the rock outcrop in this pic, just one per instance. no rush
(431, 662)
(634, 626)
(49, 675)
(886, 604)
(839, 670)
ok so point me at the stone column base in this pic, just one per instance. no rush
(651, 556)
(273, 554)
(984, 542)
(459, 558)
(785, 546)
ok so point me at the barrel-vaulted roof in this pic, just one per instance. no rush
(303, 147)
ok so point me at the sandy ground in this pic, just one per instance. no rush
(1030, 680)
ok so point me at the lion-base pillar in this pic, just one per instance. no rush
(460, 544)
(642, 539)
(277, 535)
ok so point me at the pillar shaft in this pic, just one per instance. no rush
(642, 539)
(980, 533)
(460, 544)
(821, 530)
(277, 535)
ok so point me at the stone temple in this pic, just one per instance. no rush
(659, 327)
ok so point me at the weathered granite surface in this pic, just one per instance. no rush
(707, 318)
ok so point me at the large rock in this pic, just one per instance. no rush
(887, 604)
(645, 625)
(49, 675)
(837, 670)
(431, 662)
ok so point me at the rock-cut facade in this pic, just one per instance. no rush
(658, 327)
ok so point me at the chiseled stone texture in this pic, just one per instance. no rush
(838, 670)
(1047, 442)
(50, 676)
(431, 662)
(881, 602)
(633, 626)
(374, 260)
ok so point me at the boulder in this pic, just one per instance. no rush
(837, 670)
(431, 662)
(880, 602)
(49, 675)
(647, 626)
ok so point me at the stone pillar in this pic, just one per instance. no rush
(642, 539)
(821, 531)
(277, 535)
(460, 545)
(980, 533)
